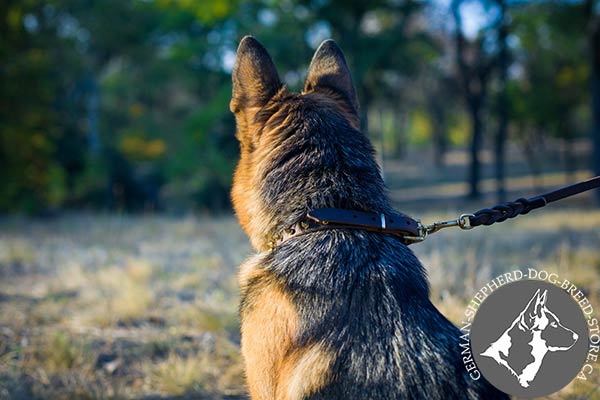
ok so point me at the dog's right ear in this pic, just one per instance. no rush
(328, 70)
(254, 77)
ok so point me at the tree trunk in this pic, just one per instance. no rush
(502, 111)
(476, 139)
(440, 146)
(440, 142)
(474, 79)
(500, 155)
(93, 111)
(533, 162)
(399, 119)
(569, 154)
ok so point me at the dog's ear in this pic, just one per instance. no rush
(542, 298)
(328, 69)
(530, 311)
(540, 303)
(254, 77)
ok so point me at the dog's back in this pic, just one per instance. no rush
(363, 303)
(335, 314)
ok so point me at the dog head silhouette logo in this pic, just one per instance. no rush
(540, 341)
(543, 332)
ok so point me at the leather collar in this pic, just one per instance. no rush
(320, 219)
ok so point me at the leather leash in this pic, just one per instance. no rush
(409, 230)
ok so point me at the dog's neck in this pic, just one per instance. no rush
(302, 179)
(538, 351)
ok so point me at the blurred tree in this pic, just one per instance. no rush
(475, 64)
(440, 97)
(547, 96)
(502, 102)
(126, 48)
(35, 122)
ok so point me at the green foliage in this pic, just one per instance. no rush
(143, 64)
(123, 104)
(550, 91)
(30, 112)
(205, 11)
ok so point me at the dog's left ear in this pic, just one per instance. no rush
(543, 298)
(255, 79)
(328, 70)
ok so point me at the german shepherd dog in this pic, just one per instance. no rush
(536, 330)
(337, 313)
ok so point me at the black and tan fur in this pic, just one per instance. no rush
(335, 314)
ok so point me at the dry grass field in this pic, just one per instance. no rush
(135, 307)
(98, 307)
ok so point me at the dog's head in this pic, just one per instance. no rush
(290, 141)
(537, 317)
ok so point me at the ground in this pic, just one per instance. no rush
(106, 306)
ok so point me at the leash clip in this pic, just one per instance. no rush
(463, 222)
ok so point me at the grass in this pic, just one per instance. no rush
(106, 306)
(112, 307)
